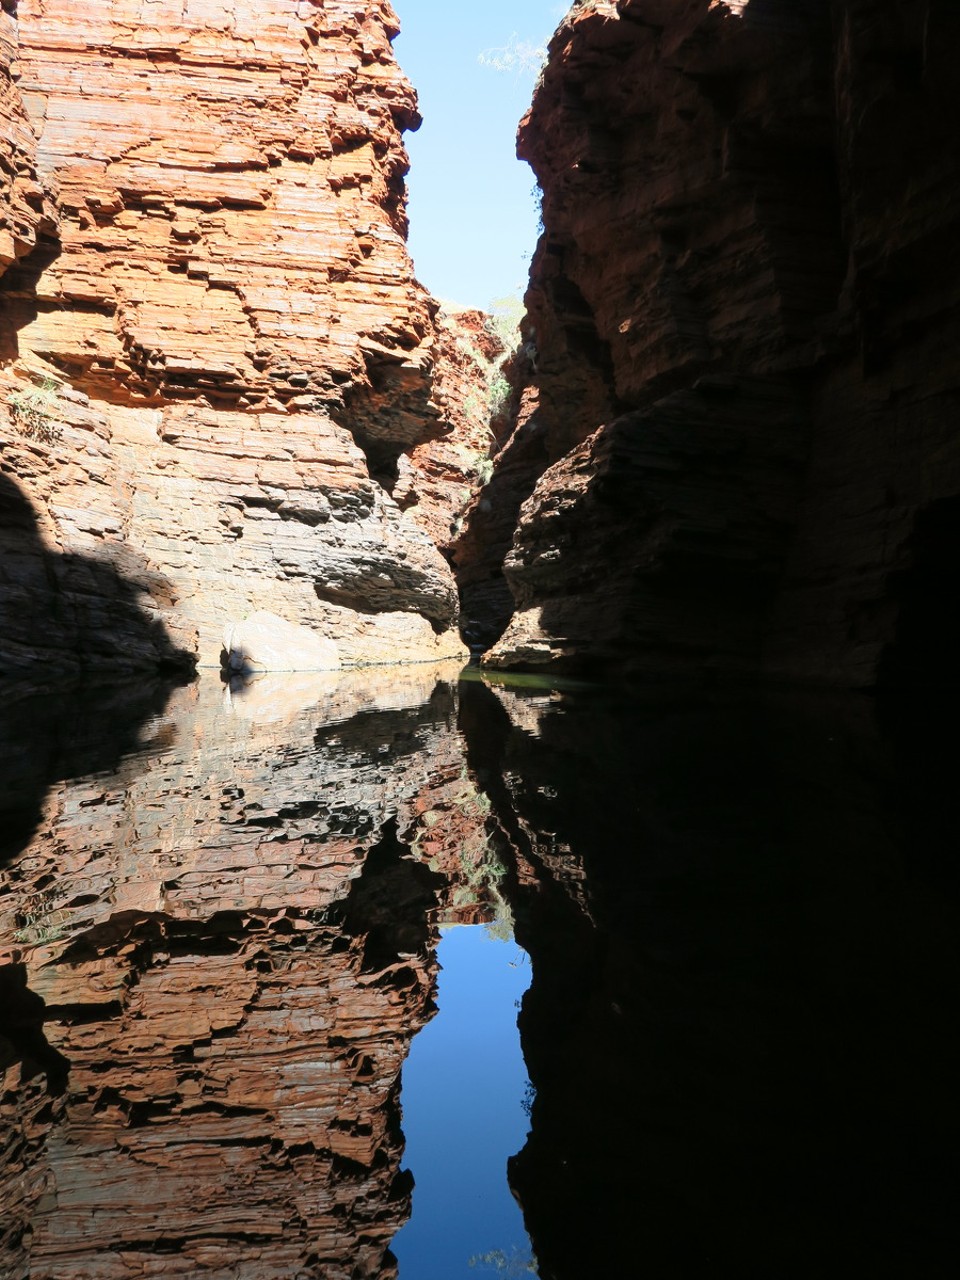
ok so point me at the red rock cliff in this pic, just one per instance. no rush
(743, 315)
(22, 198)
(217, 354)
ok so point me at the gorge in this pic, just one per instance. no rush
(258, 505)
(226, 393)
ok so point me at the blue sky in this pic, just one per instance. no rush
(473, 222)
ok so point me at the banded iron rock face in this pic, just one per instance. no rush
(743, 331)
(23, 199)
(215, 956)
(216, 358)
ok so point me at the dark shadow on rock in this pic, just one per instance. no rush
(479, 552)
(927, 640)
(741, 1027)
(68, 624)
(627, 569)
(390, 905)
(79, 729)
(66, 615)
(18, 289)
(21, 1033)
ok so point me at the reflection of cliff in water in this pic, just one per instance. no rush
(741, 1029)
(233, 947)
(79, 729)
(216, 949)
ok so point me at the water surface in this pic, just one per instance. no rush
(464, 1090)
(262, 951)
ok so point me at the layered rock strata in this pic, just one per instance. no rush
(214, 958)
(25, 207)
(217, 352)
(440, 477)
(743, 314)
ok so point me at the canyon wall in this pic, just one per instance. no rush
(738, 450)
(216, 357)
(24, 211)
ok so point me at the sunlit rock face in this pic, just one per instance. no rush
(743, 319)
(216, 356)
(24, 204)
(215, 953)
(740, 914)
(439, 477)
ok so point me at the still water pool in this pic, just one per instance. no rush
(400, 975)
(465, 1087)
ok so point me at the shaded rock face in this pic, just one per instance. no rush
(215, 953)
(490, 520)
(740, 915)
(744, 314)
(216, 352)
(65, 611)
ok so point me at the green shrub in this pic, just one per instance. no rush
(499, 393)
(35, 412)
(504, 316)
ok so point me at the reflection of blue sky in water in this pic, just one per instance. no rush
(464, 1085)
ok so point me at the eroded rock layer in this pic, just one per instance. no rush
(217, 352)
(23, 200)
(214, 956)
(744, 310)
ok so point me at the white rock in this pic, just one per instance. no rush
(267, 642)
